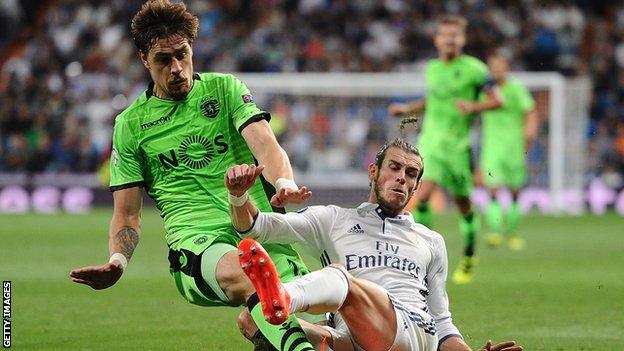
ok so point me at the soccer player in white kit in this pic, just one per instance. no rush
(384, 275)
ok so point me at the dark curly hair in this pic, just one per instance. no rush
(159, 19)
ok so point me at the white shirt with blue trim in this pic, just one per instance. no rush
(405, 258)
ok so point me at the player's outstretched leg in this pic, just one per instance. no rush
(260, 269)
(316, 293)
(515, 242)
(469, 227)
(422, 212)
(494, 218)
(271, 315)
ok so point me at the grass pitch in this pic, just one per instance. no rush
(565, 292)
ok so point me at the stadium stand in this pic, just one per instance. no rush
(68, 67)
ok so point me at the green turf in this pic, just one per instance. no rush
(565, 292)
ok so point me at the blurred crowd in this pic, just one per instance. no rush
(69, 66)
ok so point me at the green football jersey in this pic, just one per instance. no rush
(503, 128)
(179, 151)
(446, 129)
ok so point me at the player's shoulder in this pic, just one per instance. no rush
(472, 60)
(433, 64)
(216, 77)
(515, 83)
(323, 210)
(132, 112)
(429, 235)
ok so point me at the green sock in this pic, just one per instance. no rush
(513, 218)
(469, 226)
(494, 216)
(422, 214)
(287, 336)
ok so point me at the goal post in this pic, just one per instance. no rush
(565, 103)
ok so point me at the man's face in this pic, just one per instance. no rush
(498, 67)
(170, 64)
(449, 40)
(396, 180)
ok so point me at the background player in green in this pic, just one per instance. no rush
(453, 82)
(177, 140)
(507, 132)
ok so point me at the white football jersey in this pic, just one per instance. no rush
(405, 258)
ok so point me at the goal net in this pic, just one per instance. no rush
(331, 125)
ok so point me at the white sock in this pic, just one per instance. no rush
(319, 292)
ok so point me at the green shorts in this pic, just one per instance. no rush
(453, 171)
(200, 253)
(503, 170)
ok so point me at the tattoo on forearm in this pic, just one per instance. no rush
(127, 238)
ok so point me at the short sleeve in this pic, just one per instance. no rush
(242, 108)
(525, 99)
(125, 162)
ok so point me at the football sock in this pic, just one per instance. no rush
(513, 218)
(494, 216)
(422, 214)
(468, 225)
(318, 292)
(287, 336)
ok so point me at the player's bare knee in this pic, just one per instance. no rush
(364, 295)
(232, 280)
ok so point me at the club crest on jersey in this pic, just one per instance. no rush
(247, 98)
(210, 108)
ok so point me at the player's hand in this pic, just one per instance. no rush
(397, 109)
(98, 277)
(503, 346)
(465, 106)
(240, 178)
(290, 196)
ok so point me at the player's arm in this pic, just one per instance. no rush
(124, 230)
(483, 83)
(268, 152)
(400, 109)
(531, 127)
(252, 123)
(302, 227)
(492, 101)
(449, 338)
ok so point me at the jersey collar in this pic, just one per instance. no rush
(367, 207)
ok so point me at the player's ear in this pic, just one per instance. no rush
(372, 172)
(417, 186)
(143, 57)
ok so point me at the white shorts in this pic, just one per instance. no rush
(412, 334)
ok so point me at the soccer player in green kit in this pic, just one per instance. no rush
(177, 140)
(507, 133)
(453, 82)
